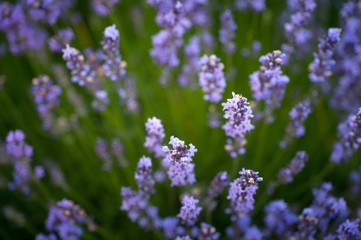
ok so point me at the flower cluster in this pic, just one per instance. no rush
(307, 223)
(211, 78)
(143, 175)
(114, 66)
(279, 219)
(59, 41)
(20, 154)
(136, 203)
(154, 139)
(208, 232)
(226, 33)
(296, 32)
(190, 70)
(47, 11)
(268, 83)
(103, 7)
(189, 210)
(216, 187)
(22, 35)
(93, 68)
(178, 162)
(295, 128)
(296, 165)
(171, 16)
(320, 68)
(254, 5)
(241, 193)
(346, 95)
(46, 95)
(349, 138)
(64, 220)
(327, 207)
(239, 115)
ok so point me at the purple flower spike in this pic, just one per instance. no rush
(279, 220)
(286, 174)
(239, 115)
(216, 187)
(241, 193)
(189, 210)
(296, 30)
(211, 78)
(268, 83)
(46, 95)
(254, 5)
(320, 68)
(154, 139)
(143, 175)
(59, 41)
(226, 33)
(114, 66)
(349, 230)
(178, 161)
(208, 232)
(295, 128)
(65, 218)
(349, 138)
(104, 7)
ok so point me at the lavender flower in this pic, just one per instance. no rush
(326, 207)
(208, 232)
(349, 138)
(179, 162)
(16, 146)
(103, 7)
(65, 218)
(189, 70)
(241, 193)
(295, 127)
(80, 71)
(46, 96)
(143, 175)
(59, 41)
(171, 227)
(355, 181)
(279, 220)
(254, 5)
(41, 236)
(253, 233)
(114, 66)
(117, 150)
(296, 32)
(268, 83)
(22, 36)
(48, 11)
(296, 165)
(349, 230)
(216, 187)
(183, 238)
(226, 33)
(189, 210)
(154, 139)
(320, 68)
(239, 114)
(211, 78)
(308, 222)
(172, 17)
(346, 95)
(102, 151)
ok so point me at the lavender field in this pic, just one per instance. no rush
(180, 119)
